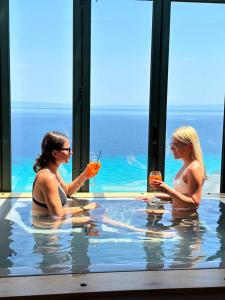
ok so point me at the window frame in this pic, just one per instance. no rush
(81, 87)
(5, 111)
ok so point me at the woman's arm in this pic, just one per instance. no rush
(163, 196)
(49, 188)
(75, 185)
(70, 188)
(148, 198)
(81, 209)
(194, 180)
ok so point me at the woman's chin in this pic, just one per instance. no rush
(66, 161)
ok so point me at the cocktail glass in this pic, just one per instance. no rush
(154, 175)
(92, 170)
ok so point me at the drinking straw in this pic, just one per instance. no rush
(100, 152)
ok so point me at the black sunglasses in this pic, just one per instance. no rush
(67, 149)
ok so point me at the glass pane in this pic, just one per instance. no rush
(120, 67)
(196, 82)
(41, 80)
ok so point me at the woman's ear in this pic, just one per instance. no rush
(54, 153)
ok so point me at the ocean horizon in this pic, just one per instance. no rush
(120, 132)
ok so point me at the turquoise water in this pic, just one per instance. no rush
(121, 133)
(111, 176)
(171, 244)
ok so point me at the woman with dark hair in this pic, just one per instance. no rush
(50, 191)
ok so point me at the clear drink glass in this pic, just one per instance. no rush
(154, 175)
(93, 168)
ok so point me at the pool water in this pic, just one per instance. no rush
(28, 248)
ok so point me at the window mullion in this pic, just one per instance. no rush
(81, 85)
(158, 85)
(222, 175)
(5, 119)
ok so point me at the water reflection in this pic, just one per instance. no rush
(62, 252)
(219, 256)
(188, 252)
(7, 252)
(155, 256)
(183, 252)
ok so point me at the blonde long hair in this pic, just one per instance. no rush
(188, 135)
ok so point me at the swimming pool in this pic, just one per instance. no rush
(29, 249)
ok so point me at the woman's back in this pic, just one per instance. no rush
(38, 197)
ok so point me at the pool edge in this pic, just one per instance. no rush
(127, 285)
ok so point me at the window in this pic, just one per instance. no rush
(41, 81)
(120, 67)
(196, 82)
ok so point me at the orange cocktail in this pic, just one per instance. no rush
(153, 177)
(93, 168)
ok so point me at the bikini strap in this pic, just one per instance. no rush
(39, 203)
(183, 172)
(44, 170)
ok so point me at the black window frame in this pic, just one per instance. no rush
(5, 110)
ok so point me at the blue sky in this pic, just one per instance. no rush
(41, 52)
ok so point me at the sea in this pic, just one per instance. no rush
(121, 133)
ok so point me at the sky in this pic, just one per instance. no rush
(41, 52)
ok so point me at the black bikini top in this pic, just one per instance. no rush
(62, 195)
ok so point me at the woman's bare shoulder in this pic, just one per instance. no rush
(196, 165)
(45, 176)
(196, 169)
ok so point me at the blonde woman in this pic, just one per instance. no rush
(188, 182)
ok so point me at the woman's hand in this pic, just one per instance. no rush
(92, 169)
(163, 186)
(92, 205)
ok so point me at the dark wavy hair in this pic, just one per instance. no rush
(53, 140)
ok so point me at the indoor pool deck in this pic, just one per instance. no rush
(172, 284)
